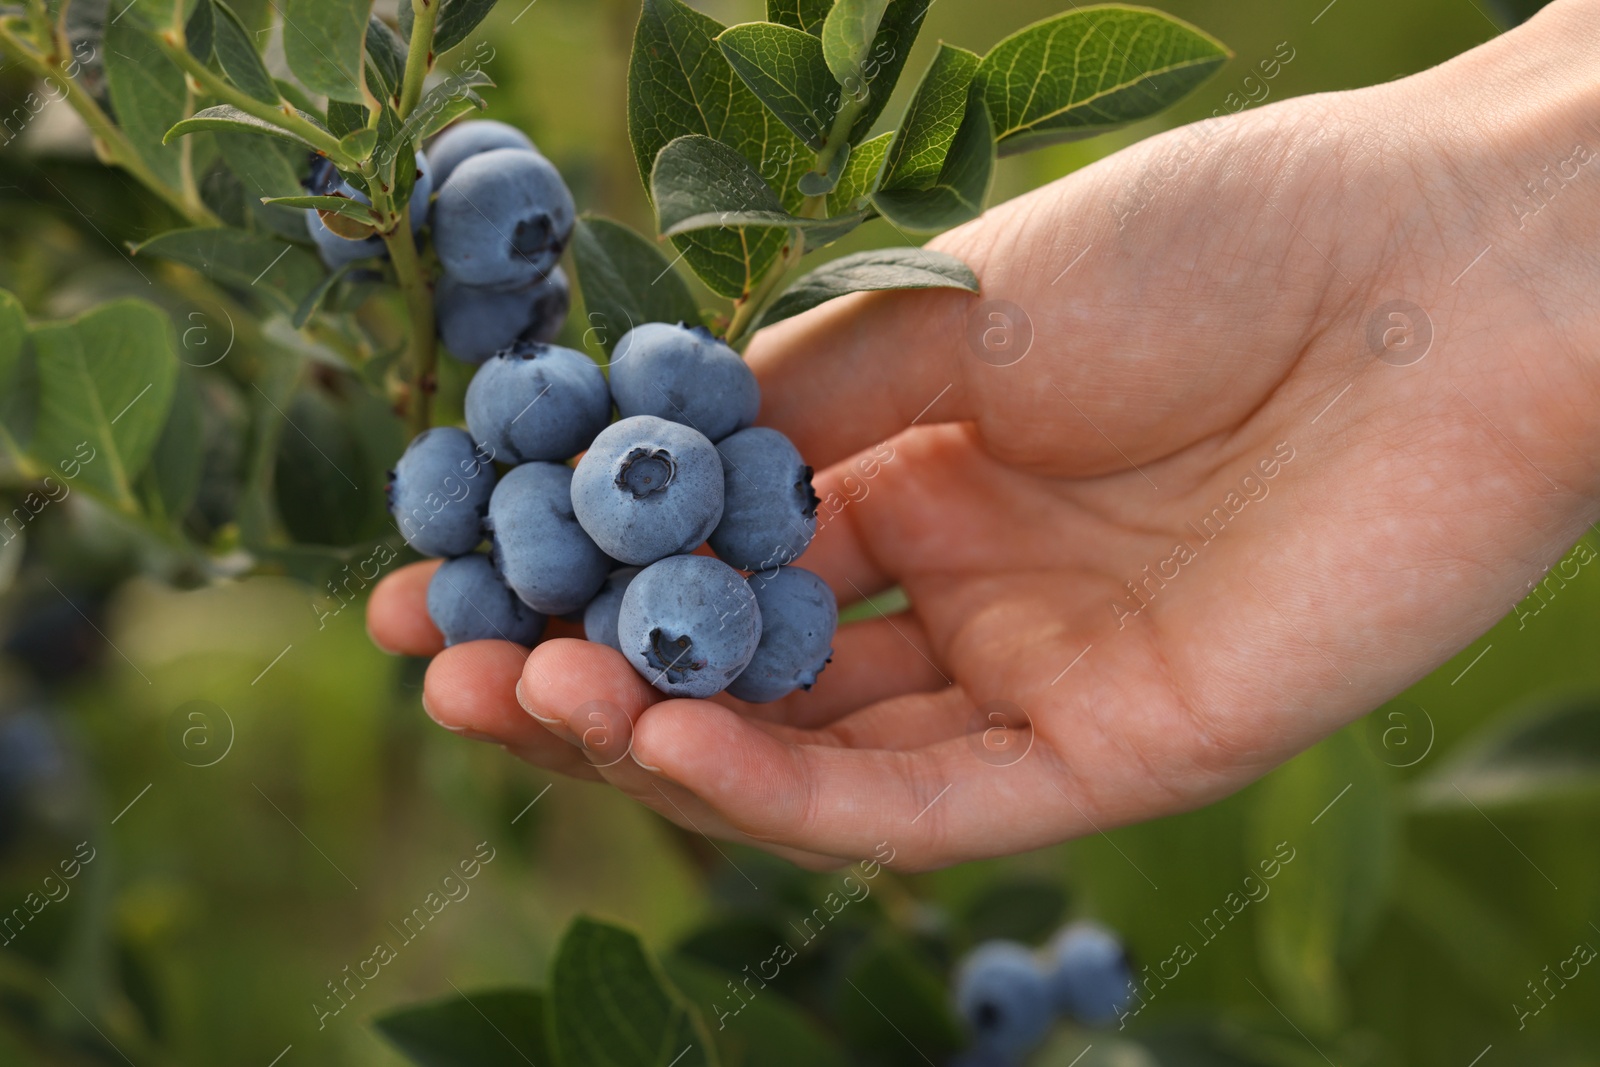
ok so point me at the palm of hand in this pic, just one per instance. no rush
(1200, 524)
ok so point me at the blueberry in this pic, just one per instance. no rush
(689, 625)
(466, 139)
(337, 251)
(798, 618)
(539, 548)
(469, 601)
(600, 617)
(503, 218)
(685, 375)
(439, 490)
(769, 510)
(648, 489)
(537, 402)
(475, 322)
(1003, 998)
(1091, 979)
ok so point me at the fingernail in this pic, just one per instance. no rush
(635, 756)
(527, 705)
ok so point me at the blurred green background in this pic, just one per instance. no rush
(222, 898)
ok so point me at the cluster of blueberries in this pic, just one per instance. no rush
(613, 539)
(1009, 996)
(499, 224)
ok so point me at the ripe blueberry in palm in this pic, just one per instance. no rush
(1003, 999)
(689, 625)
(467, 139)
(469, 601)
(539, 548)
(503, 218)
(684, 374)
(438, 492)
(537, 402)
(600, 617)
(476, 322)
(798, 618)
(769, 510)
(1091, 979)
(647, 489)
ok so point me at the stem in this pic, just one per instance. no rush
(419, 60)
(748, 307)
(423, 355)
(283, 117)
(113, 145)
(839, 135)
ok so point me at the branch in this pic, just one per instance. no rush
(419, 60)
(282, 117)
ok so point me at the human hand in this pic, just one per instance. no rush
(1199, 525)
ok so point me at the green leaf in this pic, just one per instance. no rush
(105, 383)
(253, 264)
(808, 15)
(679, 83)
(1332, 807)
(931, 122)
(19, 384)
(494, 1028)
(697, 177)
(148, 94)
(814, 184)
(227, 117)
(237, 55)
(345, 119)
(847, 37)
(1091, 70)
(785, 68)
(323, 42)
(199, 33)
(1545, 750)
(701, 184)
(610, 1005)
(884, 268)
(339, 205)
(861, 177)
(883, 64)
(957, 195)
(360, 143)
(893, 1008)
(386, 60)
(767, 1031)
(443, 104)
(173, 477)
(626, 282)
(457, 19)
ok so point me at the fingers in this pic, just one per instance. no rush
(588, 695)
(860, 369)
(397, 613)
(930, 806)
(469, 691)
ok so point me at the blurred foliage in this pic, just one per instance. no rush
(263, 800)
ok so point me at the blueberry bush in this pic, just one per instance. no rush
(300, 242)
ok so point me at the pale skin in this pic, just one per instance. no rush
(1210, 331)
